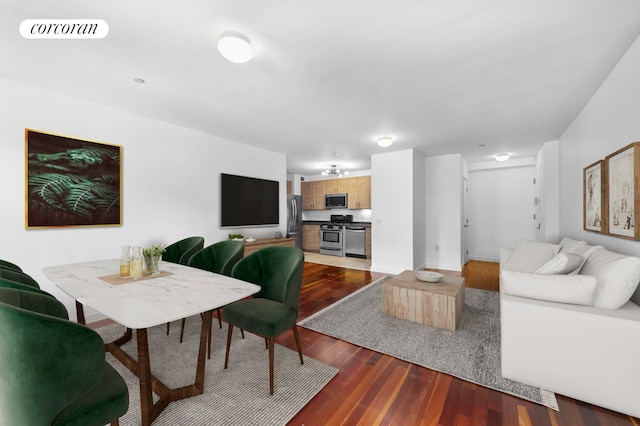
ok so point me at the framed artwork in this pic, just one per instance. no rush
(622, 186)
(594, 197)
(71, 182)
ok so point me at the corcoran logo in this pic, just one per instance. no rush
(64, 28)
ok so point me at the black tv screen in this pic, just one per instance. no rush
(247, 201)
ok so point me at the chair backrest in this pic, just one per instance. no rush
(181, 251)
(19, 277)
(5, 283)
(46, 362)
(8, 265)
(220, 257)
(277, 270)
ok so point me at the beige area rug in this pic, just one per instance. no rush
(236, 396)
(341, 262)
(471, 353)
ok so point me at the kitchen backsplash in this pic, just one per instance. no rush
(360, 215)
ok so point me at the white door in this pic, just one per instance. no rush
(465, 225)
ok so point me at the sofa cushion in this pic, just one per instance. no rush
(562, 264)
(530, 255)
(573, 289)
(569, 245)
(618, 276)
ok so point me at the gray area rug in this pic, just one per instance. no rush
(471, 353)
(236, 396)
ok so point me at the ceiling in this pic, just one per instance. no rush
(475, 77)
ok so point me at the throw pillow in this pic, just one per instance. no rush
(573, 289)
(569, 245)
(530, 255)
(562, 264)
(586, 250)
(618, 276)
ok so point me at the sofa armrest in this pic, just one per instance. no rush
(573, 289)
(505, 254)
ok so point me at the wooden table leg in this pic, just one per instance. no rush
(80, 313)
(144, 376)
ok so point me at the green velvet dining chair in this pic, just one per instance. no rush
(4, 264)
(18, 276)
(52, 370)
(181, 251)
(219, 258)
(274, 309)
(6, 283)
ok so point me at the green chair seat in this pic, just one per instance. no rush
(264, 317)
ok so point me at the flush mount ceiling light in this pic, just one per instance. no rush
(235, 47)
(334, 171)
(385, 141)
(502, 157)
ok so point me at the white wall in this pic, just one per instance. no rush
(610, 121)
(170, 180)
(443, 211)
(419, 223)
(501, 207)
(549, 186)
(392, 222)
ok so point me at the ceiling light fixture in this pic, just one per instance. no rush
(138, 80)
(334, 171)
(502, 157)
(385, 141)
(235, 47)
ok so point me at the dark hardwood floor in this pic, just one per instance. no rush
(376, 389)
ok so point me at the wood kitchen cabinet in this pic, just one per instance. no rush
(313, 195)
(311, 238)
(359, 189)
(336, 186)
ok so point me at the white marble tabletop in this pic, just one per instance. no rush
(147, 303)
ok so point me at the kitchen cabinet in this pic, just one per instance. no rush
(336, 186)
(359, 190)
(311, 238)
(261, 243)
(313, 195)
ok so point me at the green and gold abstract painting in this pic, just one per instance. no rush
(71, 182)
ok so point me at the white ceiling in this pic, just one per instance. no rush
(330, 76)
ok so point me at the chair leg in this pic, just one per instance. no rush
(226, 355)
(184, 320)
(168, 324)
(271, 347)
(266, 343)
(242, 332)
(219, 317)
(209, 342)
(295, 335)
(116, 422)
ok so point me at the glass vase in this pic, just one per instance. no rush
(152, 264)
(125, 258)
(135, 267)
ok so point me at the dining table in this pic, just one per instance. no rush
(176, 292)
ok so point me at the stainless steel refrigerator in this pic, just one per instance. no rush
(294, 218)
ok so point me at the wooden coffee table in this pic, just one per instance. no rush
(436, 304)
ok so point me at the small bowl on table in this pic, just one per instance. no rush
(428, 276)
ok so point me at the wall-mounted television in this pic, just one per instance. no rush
(248, 201)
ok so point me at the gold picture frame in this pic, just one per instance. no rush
(71, 182)
(595, 212)
(623, 187)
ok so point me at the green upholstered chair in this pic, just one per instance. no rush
(8, 265)
(220, 258)
(273, 310)
(181, 251)
(52, 370)
(18, 276)
(5, 283)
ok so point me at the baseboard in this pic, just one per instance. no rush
(484, 259)
(444, 267)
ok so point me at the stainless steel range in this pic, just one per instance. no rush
(332, 234)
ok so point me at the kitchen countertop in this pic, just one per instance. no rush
(320, 222)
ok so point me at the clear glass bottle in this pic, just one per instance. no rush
(125, 258)
(136, 263)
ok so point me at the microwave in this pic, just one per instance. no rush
(335, 201)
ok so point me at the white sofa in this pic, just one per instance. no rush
(553, 336)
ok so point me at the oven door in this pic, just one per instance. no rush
(331, 238)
